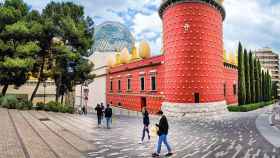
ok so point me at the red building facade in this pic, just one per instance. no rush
(129, 94)
(191, 72)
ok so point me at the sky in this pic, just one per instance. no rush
(256, 23)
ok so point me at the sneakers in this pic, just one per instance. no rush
(140, 142)
(155, 155)
(169, 154)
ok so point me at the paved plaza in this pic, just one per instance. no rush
(32, 134)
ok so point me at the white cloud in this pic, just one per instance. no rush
(147, 23)
(253, 22)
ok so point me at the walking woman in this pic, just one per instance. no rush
(146, 123)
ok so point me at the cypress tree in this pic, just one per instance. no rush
(260, 80)
(247, 77)
(241, 77)
(270, 87)
(252, 78)
(257, 78)
(263, 81)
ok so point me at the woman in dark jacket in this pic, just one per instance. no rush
(146, 122)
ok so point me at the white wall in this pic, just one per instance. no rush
(97, 89)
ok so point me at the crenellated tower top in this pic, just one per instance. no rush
(218, 4)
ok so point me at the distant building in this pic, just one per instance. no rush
(110, 38)
(45, 92)
(270, 61)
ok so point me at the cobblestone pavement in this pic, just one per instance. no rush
(32, 134)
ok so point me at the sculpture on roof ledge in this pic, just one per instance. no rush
(125, 57)
(111, 61)
(144, 50)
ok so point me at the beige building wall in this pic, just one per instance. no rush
(270, 61)
(28, 88)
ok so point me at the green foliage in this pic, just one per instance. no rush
(17, 48)
(241, 77)
(247, 77)
(58, 107)
(28, 49)
(252, 78)
(249, 107)
(24, 105)
(9, 101)
(257, 79)
(18, 63)
(18, 30)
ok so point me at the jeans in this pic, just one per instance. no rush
(145, 129)
(99, 119)
(109, 121)
(163, 138)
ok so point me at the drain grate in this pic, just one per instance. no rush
(44, 119)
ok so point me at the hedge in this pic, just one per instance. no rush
(11, 102)
(249, 107)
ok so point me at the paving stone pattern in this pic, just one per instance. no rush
(33, 134)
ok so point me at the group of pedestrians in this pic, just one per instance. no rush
(162, 131)
(101, 111)
(162, 126)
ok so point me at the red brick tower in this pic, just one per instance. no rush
(193, 45)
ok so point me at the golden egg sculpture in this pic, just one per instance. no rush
(111, 61)
(144, 50)
(125, 56)
(134, 54)
(118, 59)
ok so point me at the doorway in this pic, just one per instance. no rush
(143, 102)
(196, 98)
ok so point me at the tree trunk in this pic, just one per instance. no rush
(39, 80)
(4, 90)
(62, 97)
(58, 88)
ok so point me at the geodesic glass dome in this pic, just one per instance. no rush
(112, 36)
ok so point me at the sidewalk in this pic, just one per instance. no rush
(266, 127)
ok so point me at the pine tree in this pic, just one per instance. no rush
(252, 78)
(241, 77)
(247, 77)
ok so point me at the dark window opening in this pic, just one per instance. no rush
(153, 82)
(142, 83)
(129, 84)
(119, 85)
(111, 85)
